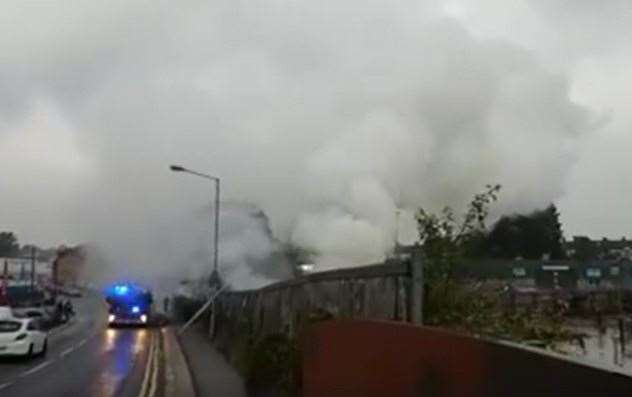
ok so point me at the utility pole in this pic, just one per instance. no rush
(216, 233)
(397, 214)
(32, 269)
(55, 269)
(4, 298)
(5, 274)
(214, 280)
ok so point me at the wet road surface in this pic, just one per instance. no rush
(84, 359)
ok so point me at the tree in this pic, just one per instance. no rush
(27, 250)
(556, 239)
(472, 306)
(585, 248)
(8, 244)
(528, 236)
(444, 241)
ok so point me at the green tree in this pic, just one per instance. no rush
(556, 237)
(585, 248)
(27, 250)
(472, 307)
(445, 240)
(528, 236)
(8, 244)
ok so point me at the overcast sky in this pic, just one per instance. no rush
(329, 115)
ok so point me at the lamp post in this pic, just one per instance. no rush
(177, 168)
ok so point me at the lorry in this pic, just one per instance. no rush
(128, 303)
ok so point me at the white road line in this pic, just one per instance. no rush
(67, 351)
(36, 368)
(148, 366)
(154, 376)
(73, 348)
(5, 385)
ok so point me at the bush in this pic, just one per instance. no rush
(274, 365)
(184, 308)
(476, 309)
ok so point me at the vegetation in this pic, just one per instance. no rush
(528, 236)
(585, 249)
(8, 244)
(10, 247)
(274, 364)
(446, 240)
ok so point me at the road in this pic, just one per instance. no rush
(84, 359)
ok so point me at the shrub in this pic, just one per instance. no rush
(274, 364)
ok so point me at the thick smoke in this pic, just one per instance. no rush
(250, 257)
(330, 116)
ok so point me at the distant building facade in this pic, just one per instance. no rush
(566, 274)
(584, 248)
(69, 265)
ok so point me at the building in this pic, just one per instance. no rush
(565, 274)
(605, 266)
(69, 265)
(20, 268)
(583, 248)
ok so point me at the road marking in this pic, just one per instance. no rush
(67, 351)
(146, 376)
(36, 368)
(5, 385)
(154, 375)
(73, 348)
(150, 378)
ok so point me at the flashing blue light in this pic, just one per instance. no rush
(135, 309)
(121, 290)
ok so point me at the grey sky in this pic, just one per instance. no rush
(329, 115)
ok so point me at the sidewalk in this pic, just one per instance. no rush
(178, 379)
(212, 375)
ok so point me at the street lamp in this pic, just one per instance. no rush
(178, 168)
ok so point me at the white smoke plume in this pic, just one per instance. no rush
(328, 115)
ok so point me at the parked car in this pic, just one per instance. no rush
(22, 337)
(46, 318)
(29, 312)
(73, 292)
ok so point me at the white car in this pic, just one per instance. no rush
(22, 337)
(73, 292)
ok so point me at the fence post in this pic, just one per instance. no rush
(212, 321)
(416, 288)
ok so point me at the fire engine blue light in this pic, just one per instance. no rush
(121, 289)
(135, 309)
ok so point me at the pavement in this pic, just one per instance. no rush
(212, 375)
(178, 379)
(86, 358)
